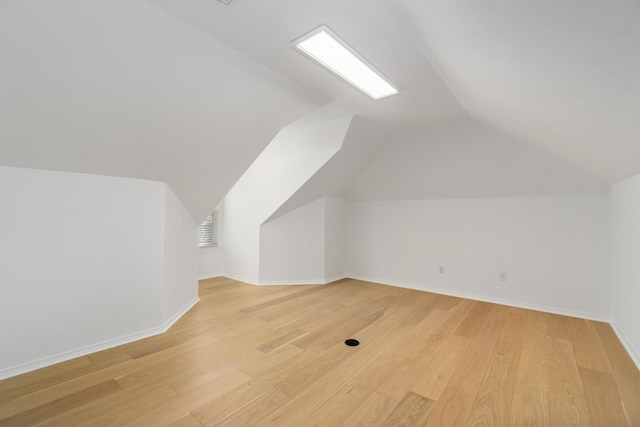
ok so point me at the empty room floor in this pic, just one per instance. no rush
(275, 355)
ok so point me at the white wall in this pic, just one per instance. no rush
(292, 246)
(292, 157)
(210, 263)
(335, 238)
(625, 254)
(306, 245)
(467, 159)
(555, 250)
(180, 259)
(82, 264)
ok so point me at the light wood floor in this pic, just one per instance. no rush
(258, 356)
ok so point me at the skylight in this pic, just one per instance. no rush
(325, 47)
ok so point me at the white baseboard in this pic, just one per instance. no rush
(240, 279)
(210, 277)
(103, 345)
(328, 280)
(285, 282)
(634, 353)
(288, 282)
(291, 282)
(501, 301)
(173, 319)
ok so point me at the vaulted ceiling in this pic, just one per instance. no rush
(190, 91)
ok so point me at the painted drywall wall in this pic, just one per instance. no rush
(81, 258)
(467, 159)
(555, 250)
(88, 262)
(625, 255)
(210, 263)
(292, 157)
(335, 238)
(292, 246)
(180, 258)
(306, 245)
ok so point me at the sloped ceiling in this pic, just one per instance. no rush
(122, 88)
(466, 160)
(336, 177)
(190, 91)
(560, 75)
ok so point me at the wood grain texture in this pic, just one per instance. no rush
(454, 406)
(603, 399)
(413, 410)
(274, 356)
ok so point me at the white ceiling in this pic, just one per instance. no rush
(121, 88)
(563, 76)
(190, 91)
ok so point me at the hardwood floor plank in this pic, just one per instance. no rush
(492, 406)
(372, 412)
(440, 363)
(557, 326)
(476, 359)
(253, 411)
(530, 407)
(60, 406)
(413, 410)
(625, 372)
(33, 381)
(602, 398)
(567, 401)
(474, 320)
(587, 345)
(219, 407)
(275, 356)
(533, 368)
(186, 421)
(335, 410)
(118, 409)
(418, 336)
(281, 341)
(303, 378)
(165, 412)
(454, 406)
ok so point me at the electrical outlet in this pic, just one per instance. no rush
(503, 276)
(441, 269)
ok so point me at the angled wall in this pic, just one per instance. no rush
(625, 239)
(306, 245)
(88, 262)
(180, 259)
(292, 246)
(297, 152)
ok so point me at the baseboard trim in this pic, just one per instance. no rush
(628, 345)
(173, 319)
(335, 278)
(240, 279)
(285, 282)
(210, 277)
(103, 345)
(290, 282)
(501, 301)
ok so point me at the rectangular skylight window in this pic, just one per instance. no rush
(326, 48)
